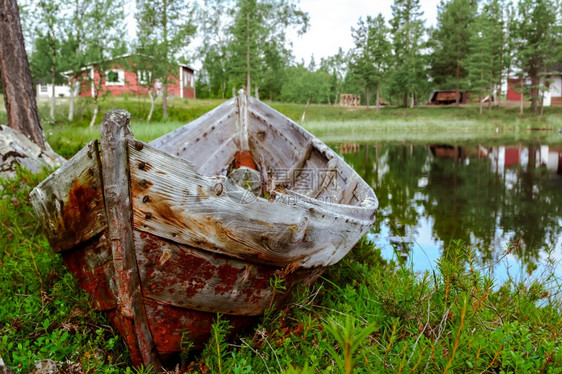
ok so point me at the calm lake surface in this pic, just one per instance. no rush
(505, 202)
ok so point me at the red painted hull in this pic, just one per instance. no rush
(183, 276)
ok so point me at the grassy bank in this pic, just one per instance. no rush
(330, 123)
(365, 315)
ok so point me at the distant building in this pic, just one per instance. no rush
(448, 97)
(553, 93)
(119, 80)
(44, 89)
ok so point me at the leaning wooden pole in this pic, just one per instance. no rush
(115, 134)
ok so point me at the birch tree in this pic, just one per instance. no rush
(103, 42)
(49, 29)
(409, 67)
(451, 41)
(164, 30)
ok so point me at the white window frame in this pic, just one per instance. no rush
(120, 77)
(44, 88)
(186, 79)
(140, 80)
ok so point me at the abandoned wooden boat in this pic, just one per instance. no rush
(165, 235)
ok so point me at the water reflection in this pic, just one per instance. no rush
(495, 199)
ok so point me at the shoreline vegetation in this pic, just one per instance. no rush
(365, 315)
(332, 124)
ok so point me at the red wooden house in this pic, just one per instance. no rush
(552, 94)
(121, 79)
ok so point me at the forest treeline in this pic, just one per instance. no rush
(474, 46)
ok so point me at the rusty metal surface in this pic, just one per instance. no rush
(186, 277)
(69, 203)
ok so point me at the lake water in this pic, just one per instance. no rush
(505, 202)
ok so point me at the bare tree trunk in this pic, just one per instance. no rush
(165, 101)
(304, 110)
(368, 96)
(19, 97)
(248, 78)
(457, 75)
(534, 94)
(71, 101)
(413, 102)
(378, 97)
(522, 97)
(53, 97)
(499, 96)
(541, 104)
(96, 111)
(151, 95)
(457, 95)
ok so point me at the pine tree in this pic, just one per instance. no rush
(370, 59)
(480, 60)
(451, 38)
(536, 33)
(409, 67)
(246, 43)
(337, 66)
(247, 31)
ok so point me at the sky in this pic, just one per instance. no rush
(331, 22)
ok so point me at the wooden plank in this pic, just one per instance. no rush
(290, 130)
(69, 203)
(293, 173)
(219, 161)
(171, 200)
(179, 141)
(268, 139)
(242, 122)
(115, 133)
(189, 278)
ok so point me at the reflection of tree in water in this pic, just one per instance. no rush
(393, 172)
(533, 205)
(462, 199)
(470, 199)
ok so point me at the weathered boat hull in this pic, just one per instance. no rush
(162, 245)
(183, 289)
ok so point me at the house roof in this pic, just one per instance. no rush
(67, 73)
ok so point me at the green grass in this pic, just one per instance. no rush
(329, 123)
(365, 315)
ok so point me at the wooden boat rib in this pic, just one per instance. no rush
(165, 235)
